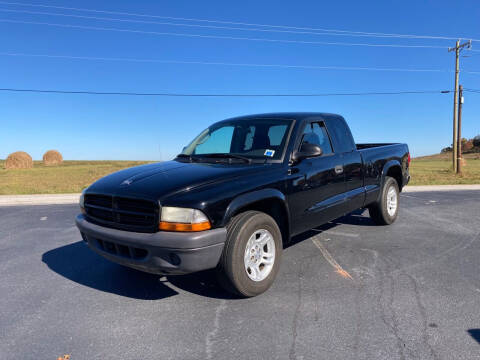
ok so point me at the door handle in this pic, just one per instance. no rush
(338, 169)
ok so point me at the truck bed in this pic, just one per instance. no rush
(377, 156)
(373, 145)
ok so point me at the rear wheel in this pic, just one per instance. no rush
(252, 253)
(385, 210)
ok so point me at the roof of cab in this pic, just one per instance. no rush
(288, 116)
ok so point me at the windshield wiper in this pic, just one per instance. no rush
(227, 156)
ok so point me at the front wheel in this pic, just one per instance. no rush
(385, 210)
(252, 253)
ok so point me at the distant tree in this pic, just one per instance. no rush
(476, 140)
(467, 145)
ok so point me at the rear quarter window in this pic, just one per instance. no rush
(340, 131)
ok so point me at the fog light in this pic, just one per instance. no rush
(175, 259)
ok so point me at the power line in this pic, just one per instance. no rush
(220, 36)
(187, 25)
(238, 23)
(224, 95)
(312, 67)
(323, 33)
(216, 63)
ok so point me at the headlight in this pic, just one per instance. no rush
(183, 219)
(82, 201)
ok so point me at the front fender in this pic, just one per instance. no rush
(250, 198)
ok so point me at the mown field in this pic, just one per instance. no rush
(70, 177)
(437, 170)
(74, 176)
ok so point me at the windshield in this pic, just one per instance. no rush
(250, 138)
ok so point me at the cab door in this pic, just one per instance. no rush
(344, 144)
(317, 186)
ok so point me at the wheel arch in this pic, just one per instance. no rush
(270, 201)
(393, 169)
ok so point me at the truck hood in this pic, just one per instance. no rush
(155, 181)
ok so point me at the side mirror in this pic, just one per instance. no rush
(307, 150)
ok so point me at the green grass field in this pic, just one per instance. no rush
(74, 176)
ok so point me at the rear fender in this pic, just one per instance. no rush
(386, 168)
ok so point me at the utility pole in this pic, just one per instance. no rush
(460, 103)
(455, 106)
(457, 50)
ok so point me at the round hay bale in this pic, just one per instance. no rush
(19, 160)
(52, 157)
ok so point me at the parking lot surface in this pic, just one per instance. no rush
(348, 290)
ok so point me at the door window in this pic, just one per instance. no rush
(316, 133)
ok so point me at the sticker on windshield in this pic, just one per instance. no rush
(269, 152)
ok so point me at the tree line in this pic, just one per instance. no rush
(468, 146)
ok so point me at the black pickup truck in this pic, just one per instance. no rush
(237, 193)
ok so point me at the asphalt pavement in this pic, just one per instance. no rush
(348, 290)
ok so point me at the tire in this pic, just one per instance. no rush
(383, 211)
(245, 230)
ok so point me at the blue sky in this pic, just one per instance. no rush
(156, 128)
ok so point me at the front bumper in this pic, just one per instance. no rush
(159, 253)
